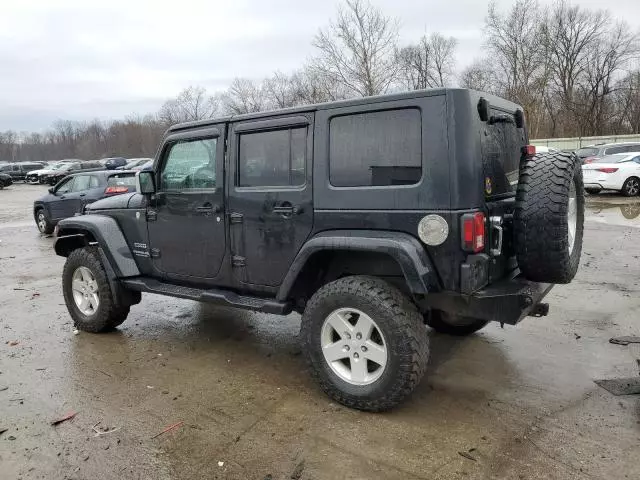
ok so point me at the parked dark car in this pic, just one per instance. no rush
(5, 180)
(54, 177)
(370, 217)
(134, 163)
(40, 175)
(73, 193)
(114, 162)
(18, 171)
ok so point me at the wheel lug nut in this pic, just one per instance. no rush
(347, 348)
(347, 336)
(363, 348)
(359, 336)
(356, 356)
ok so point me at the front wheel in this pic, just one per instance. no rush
(87, 293)
(443, 322)
(631, 187)
(44, 226)
(365, 342)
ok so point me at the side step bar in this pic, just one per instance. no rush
(219, 297)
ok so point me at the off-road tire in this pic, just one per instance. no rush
(442, 322)
(109, 313)
(401, 325)
(541, 217)
(631, 187)
(48, 227)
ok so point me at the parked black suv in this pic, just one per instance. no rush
(370, 217)
(18, 171)
(55, 176)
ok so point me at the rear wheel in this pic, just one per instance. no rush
(631, 187)
(87, 293)
(549, 217)
(458, 326)
(365, 342)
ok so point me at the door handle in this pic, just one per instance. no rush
(83, 194)
(283, 210)
(208, 208)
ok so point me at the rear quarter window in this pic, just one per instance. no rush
(380, 148)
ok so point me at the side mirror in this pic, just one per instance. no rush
(145, 182)
(52, 190)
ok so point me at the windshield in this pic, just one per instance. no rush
(617, 158)
(587, 152)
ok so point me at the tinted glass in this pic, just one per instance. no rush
(272, 159)
(190, 164)
(81, 183)
(375, 149)
(122, 180)
(620, 157)
(587, 152)
(5, 168)
(614, 150)
(94, 182)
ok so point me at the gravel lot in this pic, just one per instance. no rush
(512, 403)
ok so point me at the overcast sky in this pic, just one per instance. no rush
(78, 59)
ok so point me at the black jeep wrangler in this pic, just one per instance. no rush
(370, 217)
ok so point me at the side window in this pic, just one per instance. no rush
(94, 182)
(636, 159)
(275, 158)
(614, 150)
(65, 187)
(190, 165)
(376, 148)
(81, 183)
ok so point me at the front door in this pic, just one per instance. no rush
(64, 203)
(185, 218)
(270, 196)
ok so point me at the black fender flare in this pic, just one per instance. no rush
(108, 236)
(406, 250)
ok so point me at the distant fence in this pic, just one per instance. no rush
(577, 142)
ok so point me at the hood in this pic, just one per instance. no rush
(111, 203)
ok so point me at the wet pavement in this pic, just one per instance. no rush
(512, 403)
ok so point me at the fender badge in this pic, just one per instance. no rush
(487, 185)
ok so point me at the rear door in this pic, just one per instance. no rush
(270, 196)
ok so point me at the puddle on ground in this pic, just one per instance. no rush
(613, 210)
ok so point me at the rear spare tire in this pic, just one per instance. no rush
(549, 217)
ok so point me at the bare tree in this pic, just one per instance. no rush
(193, 103)
(279, 90)
(357, 49)
(607, 59)
(515, 42)
(244, 96)
(480, 75)
(428, 64)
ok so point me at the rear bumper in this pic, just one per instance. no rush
(506, 301)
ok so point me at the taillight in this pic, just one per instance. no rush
(607, 170)
(114, 190)
(528, 151)
(473, 232)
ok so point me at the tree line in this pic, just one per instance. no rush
(575, 71)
